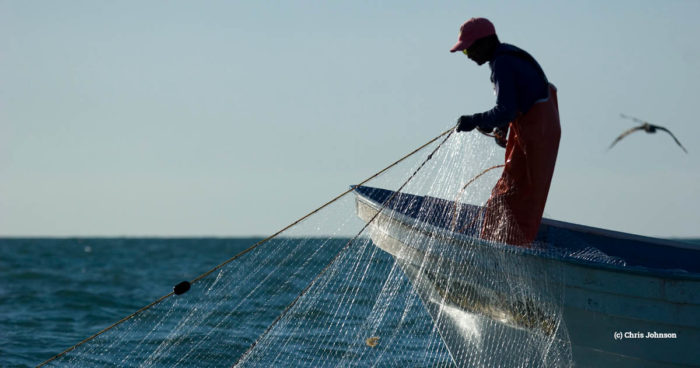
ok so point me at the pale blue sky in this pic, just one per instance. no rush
(229, 118)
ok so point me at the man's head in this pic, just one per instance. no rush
(477, 39)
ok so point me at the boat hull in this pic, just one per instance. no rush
(546, 311)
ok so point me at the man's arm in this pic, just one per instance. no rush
(506, 108)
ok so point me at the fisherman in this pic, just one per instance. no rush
(526, 105)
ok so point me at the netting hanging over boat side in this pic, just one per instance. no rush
(403, 293)
(494, 304)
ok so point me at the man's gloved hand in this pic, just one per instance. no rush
(501, 135)
(465, 123)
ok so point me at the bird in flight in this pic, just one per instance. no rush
(647, 127)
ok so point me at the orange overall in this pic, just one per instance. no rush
(514, 211)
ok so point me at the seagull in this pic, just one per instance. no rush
(647, 127)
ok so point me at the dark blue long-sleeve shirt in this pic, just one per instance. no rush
(519, 82)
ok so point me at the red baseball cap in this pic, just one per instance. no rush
(472, 30)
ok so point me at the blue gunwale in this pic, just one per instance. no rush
(644, 255)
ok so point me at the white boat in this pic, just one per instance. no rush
(581, 296)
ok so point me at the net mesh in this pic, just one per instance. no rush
(402, 293)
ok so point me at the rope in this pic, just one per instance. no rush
(342, 251)
(198, 278)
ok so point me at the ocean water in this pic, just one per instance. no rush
(57, 292)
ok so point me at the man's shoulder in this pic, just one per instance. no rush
(509, 58)
(508, 55)
(505, 55)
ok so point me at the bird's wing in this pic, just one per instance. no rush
(672, 136)
(623, 135)
(632, 118)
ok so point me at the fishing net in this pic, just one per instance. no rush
(333, 292)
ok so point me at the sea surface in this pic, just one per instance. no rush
(56, 292)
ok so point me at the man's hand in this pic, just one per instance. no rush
(465, 123)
